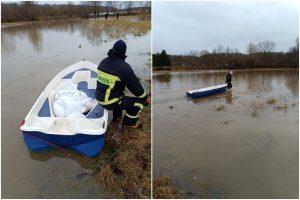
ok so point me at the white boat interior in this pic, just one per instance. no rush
(41, 117)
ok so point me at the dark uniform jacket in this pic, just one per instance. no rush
(228, 81)
(228, 78)
(114, 74)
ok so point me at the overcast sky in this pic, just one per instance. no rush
(179, 27)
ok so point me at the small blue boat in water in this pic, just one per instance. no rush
(43, 130)
(208, 91)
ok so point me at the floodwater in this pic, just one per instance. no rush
(239, 144)
(32, 54)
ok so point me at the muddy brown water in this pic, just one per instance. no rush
(231, 145)
(32, 54)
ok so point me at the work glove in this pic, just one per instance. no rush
(146, 100)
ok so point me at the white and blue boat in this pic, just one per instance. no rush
(208, 91)
(43, 130)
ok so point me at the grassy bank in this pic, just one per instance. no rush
(124, 165)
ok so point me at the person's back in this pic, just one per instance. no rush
(117, 70)
(114, 74)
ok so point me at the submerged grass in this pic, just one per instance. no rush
(281, 107)
(220, 108)
(124, 165)
(116, 28)
(162, 188)
(255, 107)
(271, 100)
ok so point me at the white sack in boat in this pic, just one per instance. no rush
(69, 100)
(75, 114)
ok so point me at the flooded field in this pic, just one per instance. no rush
(239, 144)
(32, 54)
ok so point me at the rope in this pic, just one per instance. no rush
(49, 143)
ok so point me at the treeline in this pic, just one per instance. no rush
(261, 55)
(33, 11)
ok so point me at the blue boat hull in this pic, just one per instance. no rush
(206, 93)
(89, 145)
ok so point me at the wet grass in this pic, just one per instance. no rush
(256, 107)
(278, 104)
(227, 122)
(280, 107)
(124, 165)
(220, 108)
(163, 189)
(117, 28)
(271, 100)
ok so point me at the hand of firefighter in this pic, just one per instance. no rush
(147, 101)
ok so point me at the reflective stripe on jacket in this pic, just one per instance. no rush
(114, 74)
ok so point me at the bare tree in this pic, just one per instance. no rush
(29, 10)
(70, 8)
(96, 6)
(251, 48)
(128, 6)
(266, 46)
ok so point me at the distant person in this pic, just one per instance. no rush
(114, 74)
(117, 15)
(228, 79)
(106, 15)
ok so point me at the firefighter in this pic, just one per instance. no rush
(228, 79)
(114, 74)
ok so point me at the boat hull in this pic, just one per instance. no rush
(206, 93)
(89, 145)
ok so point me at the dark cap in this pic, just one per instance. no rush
(120, 47)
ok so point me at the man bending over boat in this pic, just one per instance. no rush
(114, 74)
(228, 79)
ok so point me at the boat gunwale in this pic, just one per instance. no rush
(207, 89)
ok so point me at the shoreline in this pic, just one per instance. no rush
(20, 23)
(218, 69)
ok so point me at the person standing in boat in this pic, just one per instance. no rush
(114, 74)
(228, 79)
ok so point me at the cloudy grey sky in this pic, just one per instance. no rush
(179, 27)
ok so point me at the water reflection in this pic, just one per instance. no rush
(95, 30)
(83, 161)
(35, 38)
(165, 78)
(8, 42)
(226, 96)
(253, 81)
